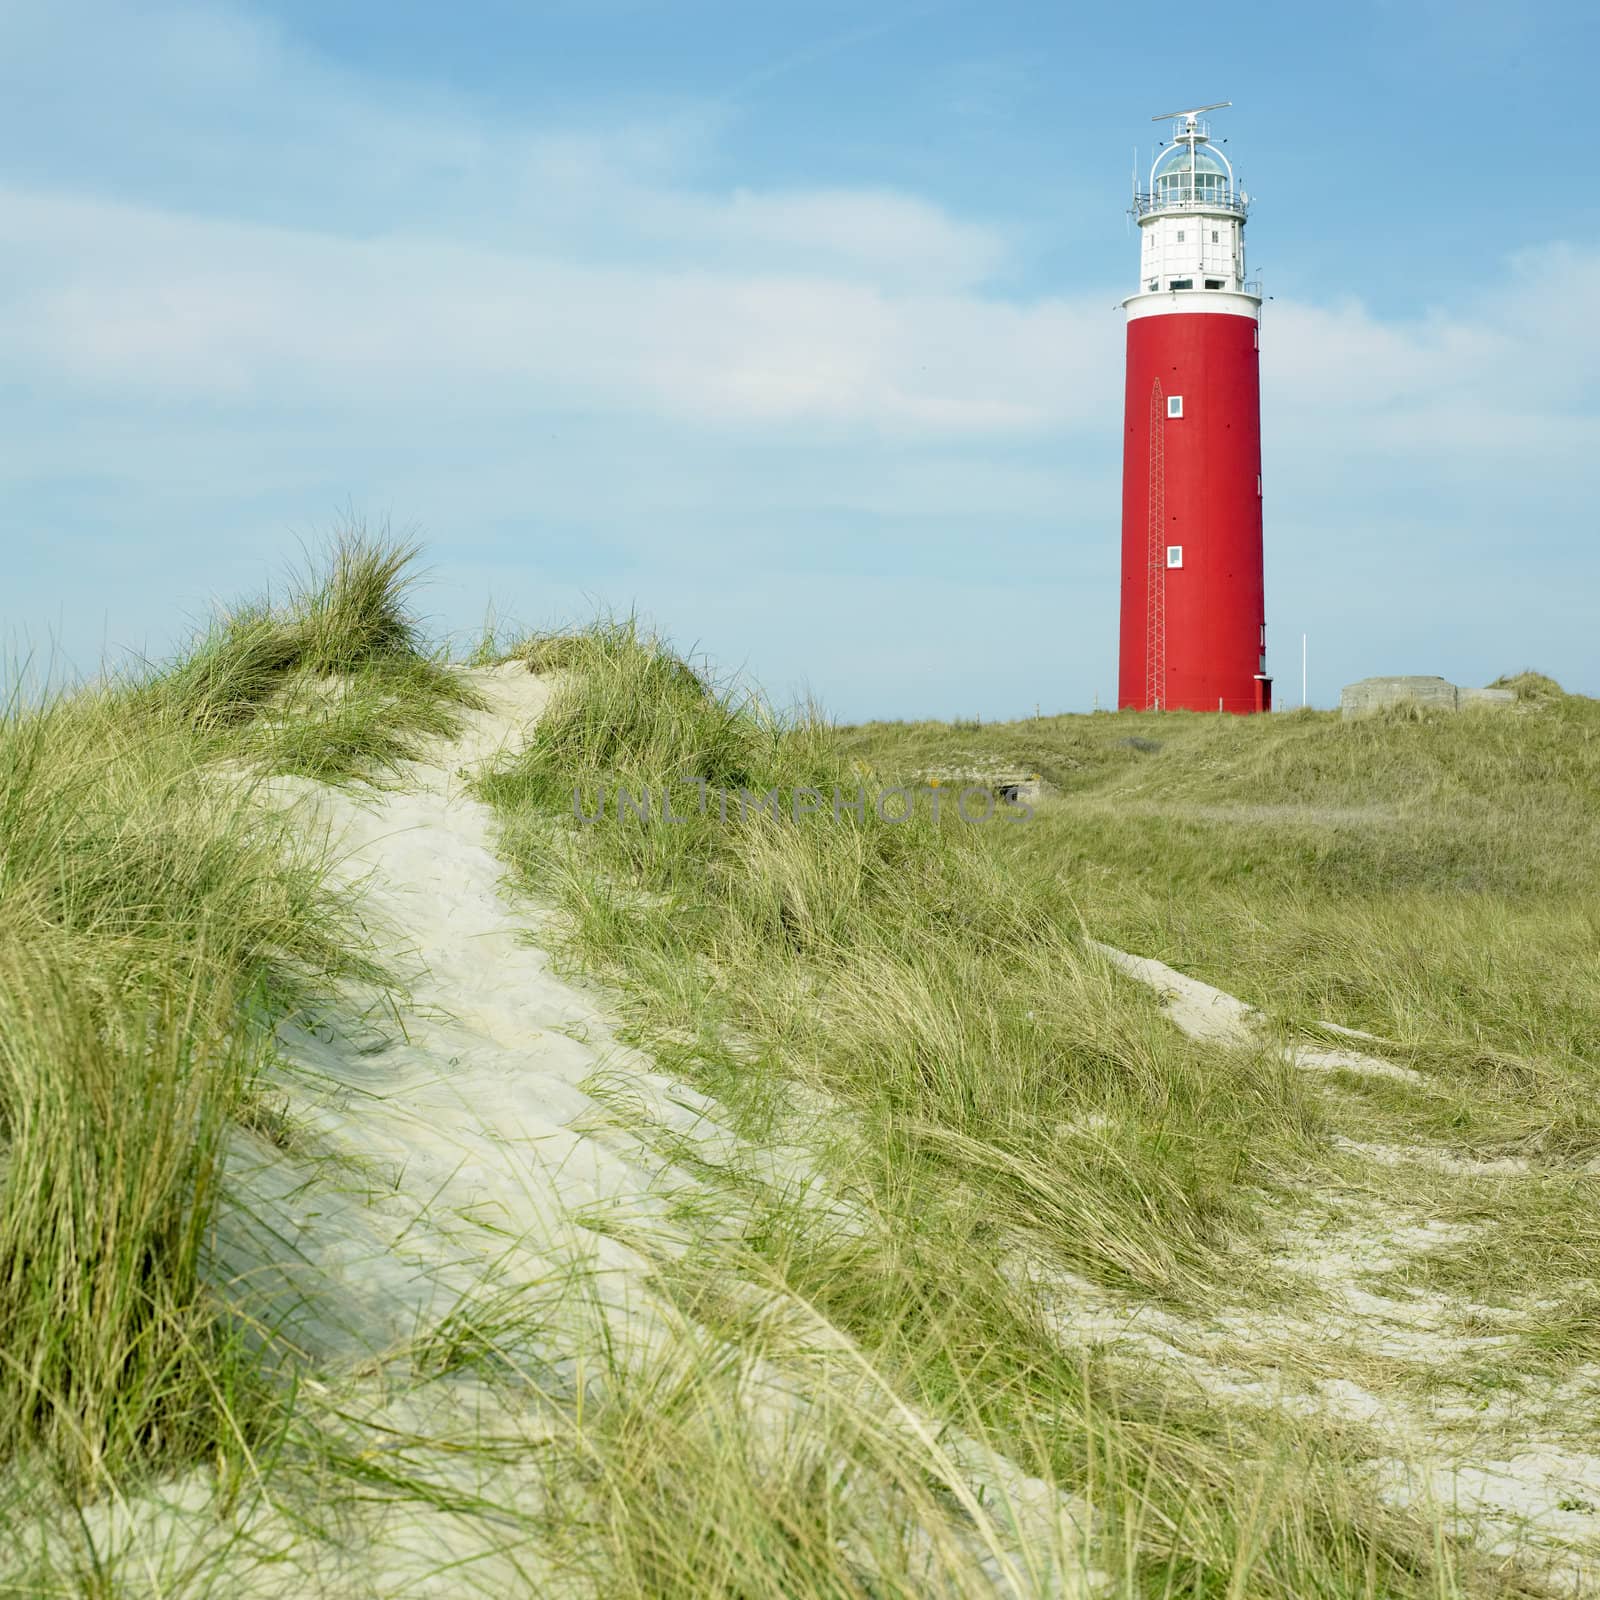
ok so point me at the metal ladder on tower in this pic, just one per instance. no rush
(1155, 616)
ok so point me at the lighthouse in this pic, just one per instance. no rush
(1194, 632)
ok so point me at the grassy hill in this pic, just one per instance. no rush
(1225, 1317)
(1427, 879)
(1429, 876)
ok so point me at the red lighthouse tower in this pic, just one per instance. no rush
(1194, 634)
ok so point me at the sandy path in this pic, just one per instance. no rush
(466, 1114)
(446, 1169)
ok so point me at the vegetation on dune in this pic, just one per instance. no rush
(995, 1130)
(1428, 880)
(1431, 879)
(1530, 686)
(894, 965)
(333, 684)
(154, 923)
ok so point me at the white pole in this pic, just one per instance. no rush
(1302, 672)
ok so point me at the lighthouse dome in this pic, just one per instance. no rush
(1191, 173)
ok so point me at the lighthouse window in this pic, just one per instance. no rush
(1155, 283)
(1214, 236)
(1174, 405)
(1174, 555)
(1213, 283)
(1181, 283)
(1180, 235)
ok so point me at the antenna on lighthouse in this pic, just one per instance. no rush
(1192, 112)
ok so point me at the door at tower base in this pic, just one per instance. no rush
(1193, 634)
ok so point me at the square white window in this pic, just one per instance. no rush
(1174, 405)
(1174, 555)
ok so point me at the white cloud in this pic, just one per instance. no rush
(341, 234)
(123, 297)
(879, 231)
(1506, 377)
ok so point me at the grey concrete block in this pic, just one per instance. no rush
(1372, 694)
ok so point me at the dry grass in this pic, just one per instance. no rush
(154, 924)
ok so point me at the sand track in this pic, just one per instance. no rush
(462, 1119)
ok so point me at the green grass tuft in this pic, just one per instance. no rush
(155, 922)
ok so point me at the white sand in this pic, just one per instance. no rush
(1217, 1017)
(467, 1112)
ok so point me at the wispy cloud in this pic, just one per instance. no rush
(127, 298)
(825, 48)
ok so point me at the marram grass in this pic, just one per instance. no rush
(155, 921)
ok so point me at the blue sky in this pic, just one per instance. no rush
(791, 326)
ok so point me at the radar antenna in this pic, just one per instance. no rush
(1192, 112)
